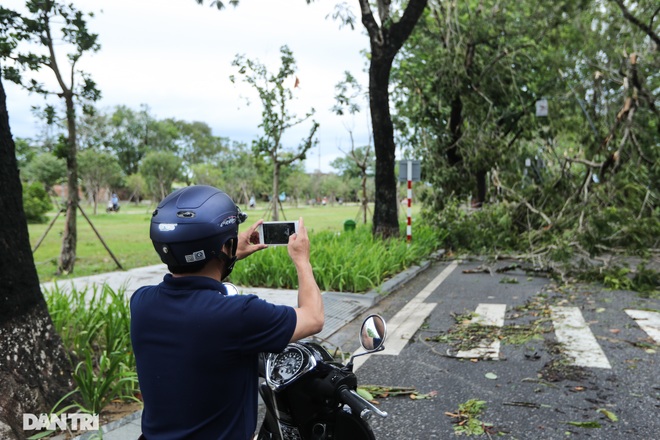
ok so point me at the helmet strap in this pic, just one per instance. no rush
(228, 266)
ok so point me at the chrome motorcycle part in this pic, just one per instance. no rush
(285, 367)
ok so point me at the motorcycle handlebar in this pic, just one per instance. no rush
(359, 405)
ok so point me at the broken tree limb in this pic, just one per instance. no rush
(526, 203)
(586, 162)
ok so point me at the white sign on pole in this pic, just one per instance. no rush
(542, 107)
(416, 170)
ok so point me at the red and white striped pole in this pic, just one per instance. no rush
(409, 227)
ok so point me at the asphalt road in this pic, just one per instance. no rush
(535, 387)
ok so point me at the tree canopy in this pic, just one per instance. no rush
(467, 96)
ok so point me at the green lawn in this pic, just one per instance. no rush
(127, 235)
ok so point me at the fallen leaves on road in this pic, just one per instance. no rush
(466, 419)
(609, 414)
(523, 404)
(372, 392)
(591, 424)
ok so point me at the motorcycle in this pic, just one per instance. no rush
(309, 395)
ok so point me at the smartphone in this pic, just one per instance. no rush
(277, 233)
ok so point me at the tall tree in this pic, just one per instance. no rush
(48, 25)
(34, 369)
(274, 94)
(386, 37)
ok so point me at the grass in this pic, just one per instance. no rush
(127, 235)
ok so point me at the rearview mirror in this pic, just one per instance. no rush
(231, 289)
(373, 333)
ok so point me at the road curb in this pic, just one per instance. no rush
(382, 291)
(109, 427)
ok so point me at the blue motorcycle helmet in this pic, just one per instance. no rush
(192, 225)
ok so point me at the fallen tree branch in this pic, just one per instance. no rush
(584, 162)
(526, 203)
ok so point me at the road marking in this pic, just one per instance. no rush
(490, 314)
(648, 321)
(578, 341)
(486, 315)
(403, 325)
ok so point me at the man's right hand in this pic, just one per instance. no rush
(298, 246)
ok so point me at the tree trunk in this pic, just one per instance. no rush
(69, 239)
(34, 370)
(276, 189)
(365, 202)
(481, 188)
(385, 39)
(386, 220)
(455, 128)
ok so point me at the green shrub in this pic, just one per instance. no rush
(620, 227)
(36, 202)
(95, 328)
(488, 229)
(647, 281)
(641, 279)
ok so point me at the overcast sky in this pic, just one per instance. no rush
(175, 56)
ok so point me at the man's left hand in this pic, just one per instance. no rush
(248, 241)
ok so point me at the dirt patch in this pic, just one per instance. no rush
(559, 369)
(118, 410)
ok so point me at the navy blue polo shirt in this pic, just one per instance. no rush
(196, 351)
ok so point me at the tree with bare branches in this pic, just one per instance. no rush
(47, 30)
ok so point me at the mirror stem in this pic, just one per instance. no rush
(349, 365)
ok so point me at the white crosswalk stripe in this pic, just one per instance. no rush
(648, 321)
(579, 343)
(486, 315)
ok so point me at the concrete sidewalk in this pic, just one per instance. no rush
(340, 309)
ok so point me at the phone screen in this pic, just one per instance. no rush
(278, 233)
